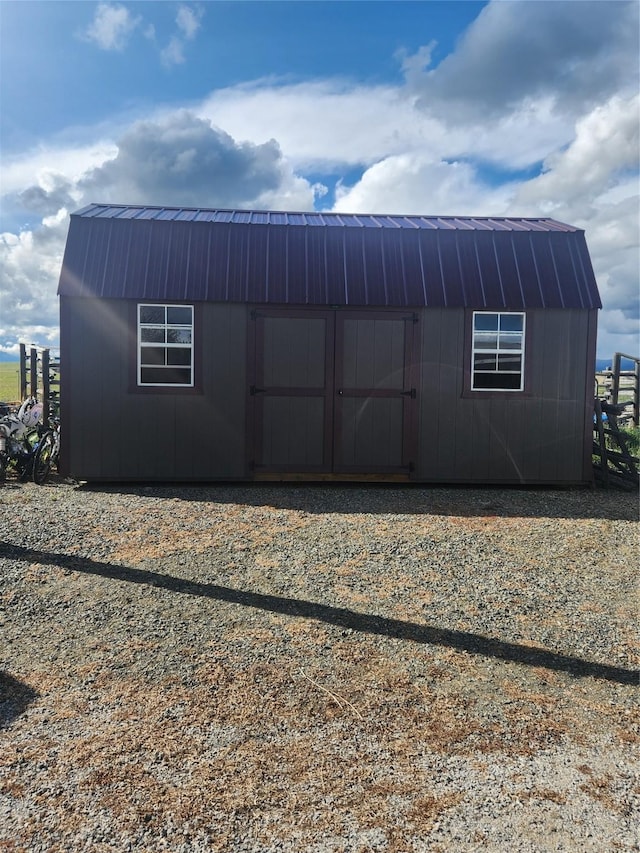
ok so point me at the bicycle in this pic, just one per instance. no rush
(43, 457)
(27, 444)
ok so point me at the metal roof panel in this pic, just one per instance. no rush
(313, 258)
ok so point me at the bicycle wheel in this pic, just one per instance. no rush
(42, 459)
(55, 455)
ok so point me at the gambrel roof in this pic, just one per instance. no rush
(174, 254)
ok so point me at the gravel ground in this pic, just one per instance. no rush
(318, 668)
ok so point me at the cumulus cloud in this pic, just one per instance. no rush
(71, 163)
(417, 184)
(184, 161)
(48, 197)
(30, 262)
(605, 146)
(323, 123)
(181, 160)
(576, 51)
(593, 184)
(329, 124)
(111, 27)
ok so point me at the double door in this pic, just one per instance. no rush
(332, 391)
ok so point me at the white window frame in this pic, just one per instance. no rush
(504, 346)
(160, 330)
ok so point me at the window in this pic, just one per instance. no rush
(165, 345)
(497, 357)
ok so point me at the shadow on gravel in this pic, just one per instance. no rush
(395, 499)
(15, 696)
(395, 628)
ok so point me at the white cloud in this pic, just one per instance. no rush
(69, 162)
(605, 145)
(30, 263)
(578, 52)
(188, 23)
(324, 123)
(594, 184)
(416, 184)
(111, 27)
(183, 160)
(330, 123)
(173, 53)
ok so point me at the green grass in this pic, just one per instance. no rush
(632, 437)
(9, 381)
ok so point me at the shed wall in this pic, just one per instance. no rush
(113, 434)
(535, 437)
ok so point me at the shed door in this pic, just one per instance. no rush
(332, 391)
(374, 397)
(293, 390)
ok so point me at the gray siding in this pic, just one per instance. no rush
(114, 434)
(535, 437)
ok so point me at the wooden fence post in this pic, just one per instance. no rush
(23, 372)
(615, 388)
(33, 373)
(46, 386)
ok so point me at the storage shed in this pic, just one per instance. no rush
(246, 345)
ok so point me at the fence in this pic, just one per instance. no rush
(40, 378)
(621, 387)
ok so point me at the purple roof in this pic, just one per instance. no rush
(307, 258)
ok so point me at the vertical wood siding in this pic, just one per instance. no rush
(113, 434)
(533, 437)
(290, 413)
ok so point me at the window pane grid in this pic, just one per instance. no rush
(497, 351)
(165, 345)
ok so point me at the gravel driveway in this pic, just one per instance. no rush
(318, 668)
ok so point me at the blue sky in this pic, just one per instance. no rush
(499, 108)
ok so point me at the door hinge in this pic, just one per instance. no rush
(411, 393)
(414, 318)
(255, 314)
(253, 390)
